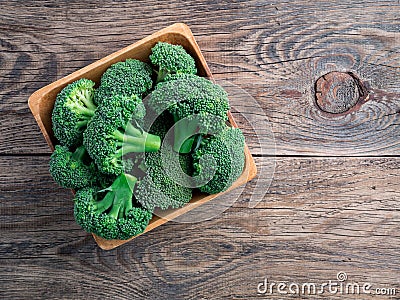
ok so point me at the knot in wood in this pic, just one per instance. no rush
(337, 92)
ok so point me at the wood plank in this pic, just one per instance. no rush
(275, 52)
(329, 215)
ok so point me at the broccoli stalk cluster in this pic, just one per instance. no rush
(111, 212)
(127, 157)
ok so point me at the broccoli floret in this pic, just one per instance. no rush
(113, 133)
(70, 170)
(111, 213)
(125, 107)
(75, 170)
(196, 104)
(222, 155)
(128, 78)
(167, 182)
(72, 111)
(171, 59)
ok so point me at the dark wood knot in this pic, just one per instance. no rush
(338, 92)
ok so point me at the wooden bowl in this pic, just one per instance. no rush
(42, 101)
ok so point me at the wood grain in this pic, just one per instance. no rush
(273, 51)
(334, 210)
(330, 215)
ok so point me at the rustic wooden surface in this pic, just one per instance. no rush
(333, 202)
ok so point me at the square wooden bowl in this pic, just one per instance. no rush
(42, 101)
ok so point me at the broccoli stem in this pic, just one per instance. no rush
(79, 153)
(135, 140)
(128, 206)
(161, 74)
(186, 146)
(185, 132)
(105, 203)
(122, 192)
(132, 130)
(198, 142)
(82, 110)
(81, 124)
(87, 98)
(115, 210)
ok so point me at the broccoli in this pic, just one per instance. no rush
(111, 213)
(75, 170)
(162, 187)
(196, 104)
(113, 133)
(220, 157)
(126, 158)
(128, 78)
(171, 59)
(70, 170)
(72, 111)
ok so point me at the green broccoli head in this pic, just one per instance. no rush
(126, 108)
(219, 160)
(167, 180)
(75, 170)
(111, 213)
(72, 111)
(197, 105)
(113, 133)
(70, 170)
(171, 59)
(127, 78)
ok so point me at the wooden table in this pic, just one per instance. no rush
(332, 205)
